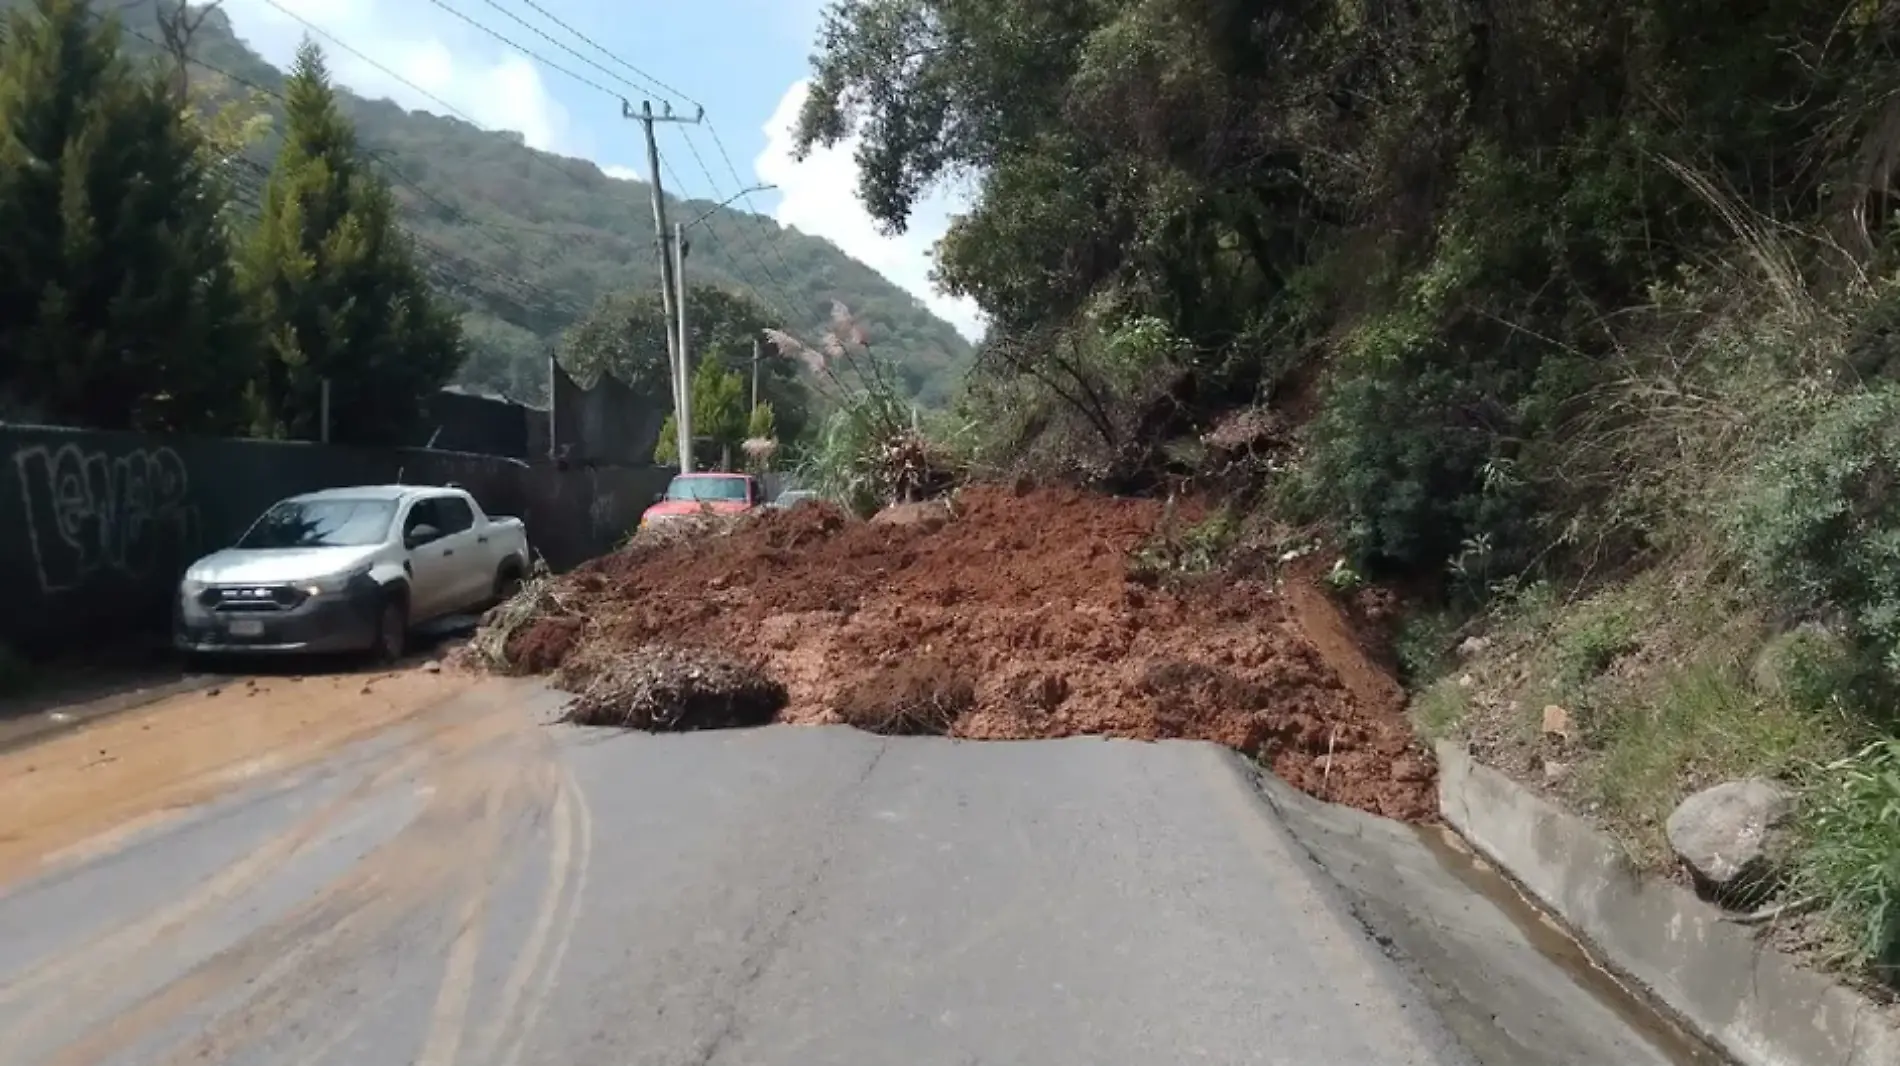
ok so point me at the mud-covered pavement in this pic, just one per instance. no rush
(427, 873)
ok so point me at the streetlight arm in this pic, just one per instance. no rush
(721, 205)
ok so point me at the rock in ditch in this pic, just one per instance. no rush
(1732, 837)
(666, 689)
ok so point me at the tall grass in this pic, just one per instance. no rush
(1853, 855)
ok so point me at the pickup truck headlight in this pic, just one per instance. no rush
(331, 584)
(190, 589)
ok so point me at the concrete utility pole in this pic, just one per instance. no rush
(755, 373)
(685, 417)
(647, 118)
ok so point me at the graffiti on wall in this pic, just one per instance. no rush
(93, 511)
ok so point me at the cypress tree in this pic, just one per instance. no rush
(337, 283)
(119, 305)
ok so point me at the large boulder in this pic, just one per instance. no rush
(1732, 837)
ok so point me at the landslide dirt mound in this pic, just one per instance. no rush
(1015, 619)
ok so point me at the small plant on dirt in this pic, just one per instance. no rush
(1426, 646)
(1175, 551)
(1343, 577)
(1440, 710)
(1852, 825)
(1595, 636)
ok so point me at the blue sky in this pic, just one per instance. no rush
(744, 60)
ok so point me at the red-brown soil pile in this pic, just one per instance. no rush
(1016, 619)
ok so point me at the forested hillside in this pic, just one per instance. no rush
(527, 241)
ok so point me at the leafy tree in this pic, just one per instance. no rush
(625, 335)
(719, 413)
(761, 425)
(338, 284)
(119, 307)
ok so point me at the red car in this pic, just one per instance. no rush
(697, 495)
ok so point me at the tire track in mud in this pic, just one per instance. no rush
(530, 983)
(491, 781)
(112, 949)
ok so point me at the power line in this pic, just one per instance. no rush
(771, 239)
(543, 60)
(663, 87)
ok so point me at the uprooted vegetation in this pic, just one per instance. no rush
(1008, 615)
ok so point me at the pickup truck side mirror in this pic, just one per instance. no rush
(420, 535)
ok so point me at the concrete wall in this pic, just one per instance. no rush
(1730, 987)
(458, 421)
(95, 528)
(607, 424)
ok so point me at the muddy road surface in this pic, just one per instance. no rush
(427, 873)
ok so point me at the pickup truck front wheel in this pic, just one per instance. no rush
(507, 582)
(392, 631)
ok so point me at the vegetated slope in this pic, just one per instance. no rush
(1020, 615)
(527, 240)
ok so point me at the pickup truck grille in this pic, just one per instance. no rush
(251, 599)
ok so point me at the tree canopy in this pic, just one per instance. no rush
(1433, 224)
(624, 334)
(119, 307)
(342, 299)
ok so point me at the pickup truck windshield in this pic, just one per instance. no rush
(706, 488)
(321, 524)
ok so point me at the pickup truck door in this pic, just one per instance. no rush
(466, 547)
(432, 566)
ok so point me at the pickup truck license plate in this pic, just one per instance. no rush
(247, 627)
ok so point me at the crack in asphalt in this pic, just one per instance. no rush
(774, 939)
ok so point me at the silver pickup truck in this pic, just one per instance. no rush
(349, 570)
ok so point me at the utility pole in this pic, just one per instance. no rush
(646, 118)
(755, 373)
(685, 416)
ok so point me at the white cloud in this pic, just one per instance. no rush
(499, 90)
(819, 196)
(615, 170)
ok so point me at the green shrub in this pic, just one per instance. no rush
(1411, 453)
(1426, 646)
(1852, 858)
(1818, 524)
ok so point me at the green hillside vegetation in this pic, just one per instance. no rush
(526, 242)
(1580, 315)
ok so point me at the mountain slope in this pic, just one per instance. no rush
(526, 241)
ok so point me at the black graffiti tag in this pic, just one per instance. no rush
(90, 512)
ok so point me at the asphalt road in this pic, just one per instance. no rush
(477, 888)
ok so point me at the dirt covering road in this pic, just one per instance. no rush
(1020, 614)
(78, 793)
